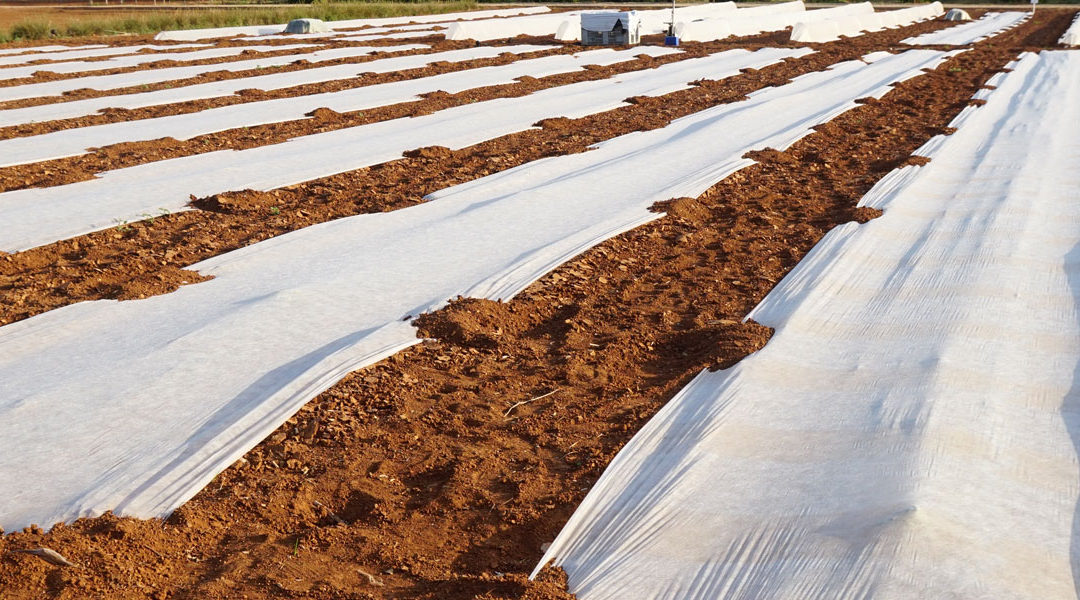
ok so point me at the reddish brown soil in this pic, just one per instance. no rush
(437, 46)
(45, 75)
(140, 259)
(417, 477)
(253, 95)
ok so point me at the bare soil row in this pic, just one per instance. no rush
(146, 258)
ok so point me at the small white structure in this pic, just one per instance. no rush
(956, 14)
(306, 26)
(610, 28)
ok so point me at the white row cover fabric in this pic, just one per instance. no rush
(823, 25)
(911, 429)
(567, 26)
(123, 80)
(152, 398)
(988, 26)
(140, 59)
(855, 25)
(769, 17)
(276, 81)
(745, 21)
(29, 51)
(72, 142)
(400, 35)
(497, 29)
(37, 216)
(80, 52)
(331, 34)
(220, 32)
(1071, 37)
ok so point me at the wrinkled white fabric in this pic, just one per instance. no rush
(987, 27)
(38, 216)
(134, 78)
(28, 52)
(1071, 37)
(911, 429)
(567, 26)
(854, 25)
(259, 30)
(71, 142)
(139, 59)
(77, 52)
(152, 398)
(276, 81)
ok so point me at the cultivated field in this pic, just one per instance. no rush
(416, 306)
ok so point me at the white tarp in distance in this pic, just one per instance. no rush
(988, 26)
(256, 30)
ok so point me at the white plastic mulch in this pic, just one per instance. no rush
(258, 30)
(28, 51)
(814, 26)
(1071, 37)
(567, 26)
(988, 26)
(139, 59)
(134, 78)
(152, 398)
(400, 35)
(79, 52)
(71, 142)
(276, 81)
(854, 25)
(912, 428)
(32, 217)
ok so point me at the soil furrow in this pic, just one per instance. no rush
(223, 75)
(146, 258)
(165, 62)
(255, 95)
(427, 476)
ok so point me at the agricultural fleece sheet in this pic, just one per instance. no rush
(71, 142)
(259, 30)
(912, 428)
(81, 52)
(567, 26)
(338, 34)
(1071, 37)
(30, 52)
(276, 81)
(988, 26)
(119, 62)
(124, 80)
(152, 398)
(33, 217)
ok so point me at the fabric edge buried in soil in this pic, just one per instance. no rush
(717, 494)
(154, 373)
(41, 216)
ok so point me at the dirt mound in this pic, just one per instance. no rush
(469, 323)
